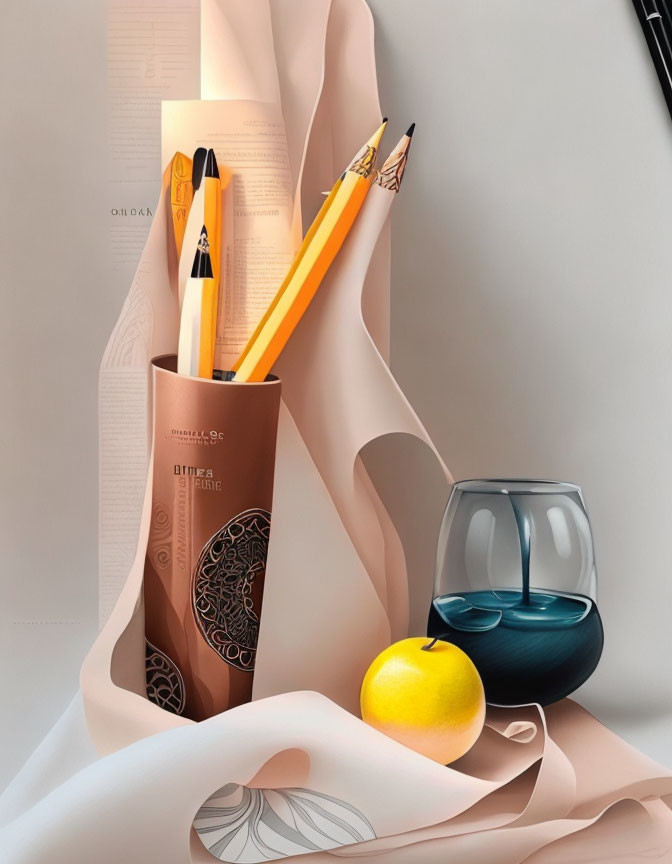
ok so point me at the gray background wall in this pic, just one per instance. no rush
(531, 313)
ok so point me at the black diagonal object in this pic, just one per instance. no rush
(211, 169)
(666, 12)
(656, 20)
(198, 163)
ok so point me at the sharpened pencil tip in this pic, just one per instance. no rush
(374, 140)
(365, 158)
(384, 119)
(392, 172)
(198, 164)
(204, 230)
(211, 168)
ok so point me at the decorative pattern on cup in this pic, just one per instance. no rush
(158, 547)
(164, 681)
(228, 566)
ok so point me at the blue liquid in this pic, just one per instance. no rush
(528, 646)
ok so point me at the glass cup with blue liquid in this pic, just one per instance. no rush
(516, 587)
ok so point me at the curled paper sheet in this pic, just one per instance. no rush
(297, 775)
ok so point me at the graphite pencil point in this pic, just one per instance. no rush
(211, 168)
(392, 171)
(200, 155)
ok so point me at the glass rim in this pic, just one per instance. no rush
(516, 486)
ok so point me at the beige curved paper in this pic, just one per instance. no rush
(572, 782)
(536, 782)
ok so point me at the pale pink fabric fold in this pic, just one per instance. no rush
(582, 790)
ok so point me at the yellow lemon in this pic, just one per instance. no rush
(429, 698)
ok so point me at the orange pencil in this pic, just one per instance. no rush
(323, 240)
(212, 209)
(307, 240)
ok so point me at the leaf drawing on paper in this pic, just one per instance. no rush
(238, 824)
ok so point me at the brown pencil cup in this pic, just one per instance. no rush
(214, 457)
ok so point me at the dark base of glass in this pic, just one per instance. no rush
(519, 666)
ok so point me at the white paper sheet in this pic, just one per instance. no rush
(152, 54)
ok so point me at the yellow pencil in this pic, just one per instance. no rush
(307, 240)
(206, 356)
(212, 210)
(321, 244)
